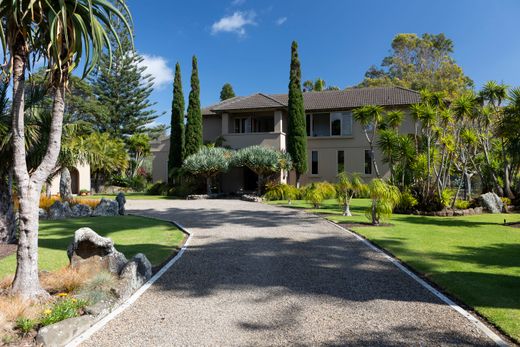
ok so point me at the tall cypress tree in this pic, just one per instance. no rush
(176, 154)
(194, 118)
(296, 129)
(122, 85)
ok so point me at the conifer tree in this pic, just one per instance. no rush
(227, 92)
(176, 154)
(122, 85)
(194, 117)
(296, 128)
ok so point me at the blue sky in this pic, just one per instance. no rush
(247, 42)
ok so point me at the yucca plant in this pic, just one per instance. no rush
(347, 187)
(384, 198)
(208, 162)
(63, 33)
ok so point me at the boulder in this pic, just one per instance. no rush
(106, 208)
(133, 275)
(491, 202)
(251, 198)
(458, 213)
(90, 249)
(478, 210)
(59, 210)
(42, 214)
(61, 333)
(80, 210)
(449, 212)
(121, 201)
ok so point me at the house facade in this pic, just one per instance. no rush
(336, 142)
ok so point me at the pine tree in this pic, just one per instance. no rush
(227, 92)
(296, 128)
(124, 88)
(194, 117)
(176, 155)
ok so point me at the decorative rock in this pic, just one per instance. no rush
(449, 212)
(106, 208)
(478, 210)
(42, 213)
(491, 202)
(133, 275)
(251, 198)
(59, 210)
(80, 210)
(121, 201)
(99, 309)
(61, 333)
(94, 250)
(458, 213)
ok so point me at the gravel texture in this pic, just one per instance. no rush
(259, 275)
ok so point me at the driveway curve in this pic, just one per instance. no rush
(259, 275)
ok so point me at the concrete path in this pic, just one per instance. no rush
(258, 275)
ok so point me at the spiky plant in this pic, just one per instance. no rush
(208, 162)
(384, 198)
(347, 187)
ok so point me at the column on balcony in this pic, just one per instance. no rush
(278, 121)
(225, 123)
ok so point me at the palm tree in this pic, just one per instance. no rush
(347, 187)
(405, 155)
(384, 198)
(394, 119)
(370, 116)
(63, 32)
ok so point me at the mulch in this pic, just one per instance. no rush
(7, 249)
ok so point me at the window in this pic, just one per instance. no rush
(341, 161)
(335, 125)
(262, 124)
(314, 162)
(368, 162)
(321, 124)
(242, 125)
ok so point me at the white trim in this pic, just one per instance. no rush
(479, 324)
(100, 324)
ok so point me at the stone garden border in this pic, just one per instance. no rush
(74, 331)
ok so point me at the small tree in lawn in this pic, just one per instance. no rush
(370, 117)
(347, 187)
(263, 161)
(208, 162)
(384, 198)
(316, 192)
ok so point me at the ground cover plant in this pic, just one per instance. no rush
(473, 258)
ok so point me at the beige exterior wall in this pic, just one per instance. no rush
(80, 172)
(160, 150)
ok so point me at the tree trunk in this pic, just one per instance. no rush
(375, 221)
(208, 185)
(26, 282)
(7, 215)
(65, 185)
(346, 210)
(298, 175)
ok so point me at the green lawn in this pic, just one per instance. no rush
(474, 258)
(129, 196)
(131, 235)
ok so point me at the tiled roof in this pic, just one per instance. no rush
(326, 100)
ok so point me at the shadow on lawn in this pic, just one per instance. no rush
(441, 221)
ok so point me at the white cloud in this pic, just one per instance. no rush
(281, 20)
(158, 68)
(235, 23)
(237, 2)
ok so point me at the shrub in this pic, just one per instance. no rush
(462, 204)
(316, 192)
(98, 287)
(384, 198)
(506, 201)
(348, 186)
(46, 202)
(92, 203)
(446, 197)
(14, 307)
(158, 188)
(407, 202)
(68, 278)
(281, 191)
(25, 325)
(208, 162)
(62, 309)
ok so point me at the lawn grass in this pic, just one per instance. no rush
(129, 196)
(475, 259)
(131, 235)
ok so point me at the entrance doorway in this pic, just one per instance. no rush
(74, 180)
(250, 180)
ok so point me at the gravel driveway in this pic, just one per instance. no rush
(259, 275)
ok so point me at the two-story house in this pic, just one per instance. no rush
(336, 142)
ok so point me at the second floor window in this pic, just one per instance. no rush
(329, 124)
(253, 124)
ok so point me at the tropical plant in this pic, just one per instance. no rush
(316, 192)
(177, 139)
(348, 186)
(139, 148)
(296, 129)
(208, 162)
(65, 34)
(384, 198)
(370, 117)
(263, 161)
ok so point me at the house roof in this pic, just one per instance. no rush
(326, 100)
